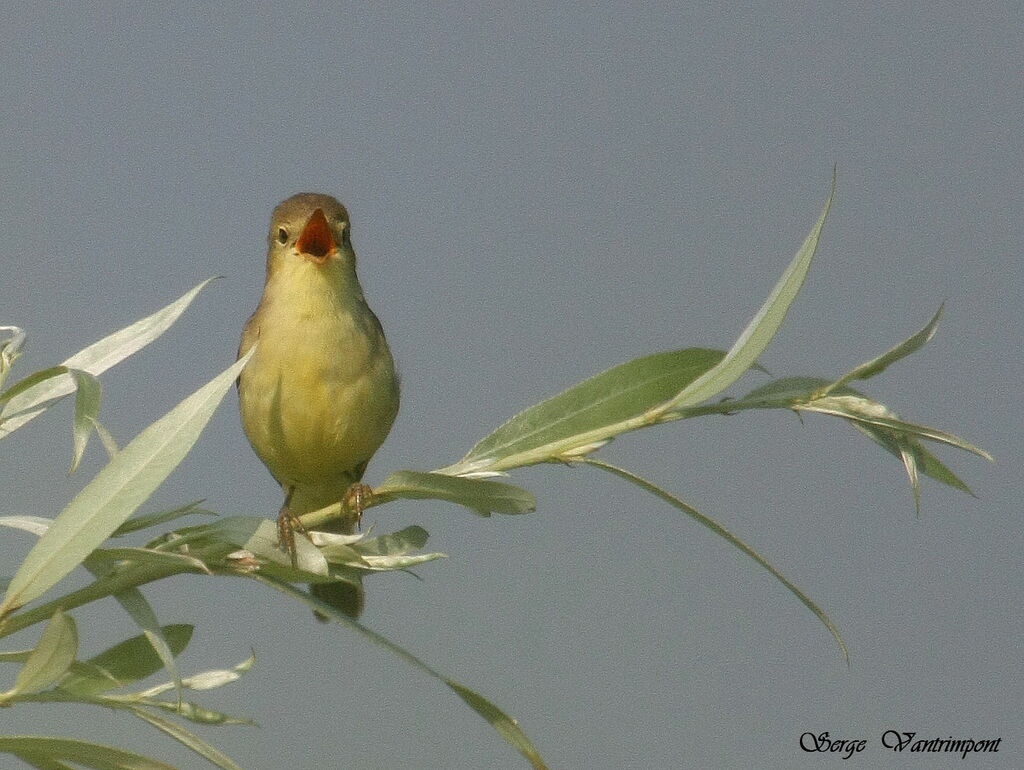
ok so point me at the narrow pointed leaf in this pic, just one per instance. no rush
(721, 531)
(108, 441)
(37, 525)
(207, 680)
(126, 662)
(762, 328)
(88, 397)
(107, 556)
(624, 392)
(926, 462)
(910, 465)
(44, 763)
(479, 495)
(116, 492)
(140, 610)
(193, 713)
(882, 362)
(400, 561)
(51, 658)
(506, 726)
(865, 410)
(148, 520)
(95, 359)
(188, 738)
(95, 755)
(30, 382)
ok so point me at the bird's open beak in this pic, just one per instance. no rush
(317, 241)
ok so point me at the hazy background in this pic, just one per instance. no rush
(539, 193)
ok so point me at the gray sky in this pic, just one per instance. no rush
(537, 194)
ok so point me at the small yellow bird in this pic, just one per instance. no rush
(320, 394)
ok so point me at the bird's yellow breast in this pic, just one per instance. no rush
(320, 394)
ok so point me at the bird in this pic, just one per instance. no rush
(320, 393)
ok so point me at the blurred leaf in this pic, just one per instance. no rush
(140, 611)
(32, 381)
(192, 712)
(393, 544)
(400, 561)
(37, 525)
(10, 350)
(45, 763)
(41, 748)
(126, 662)
(88, 397)
(51, 658)
(109, 556)
(207, 680)
(762, 328)
(384, 553)
(722, 532)
(108, 441)
(622, 393)
(258, 536)
(95, 359)
(479, 495)
(506, 726)
(148, 520)
(116, 491)
(882, 362)
(188, 738)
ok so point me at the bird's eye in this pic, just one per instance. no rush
(282, 235)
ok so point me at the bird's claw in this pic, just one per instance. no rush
(356, 498)
(287, 523)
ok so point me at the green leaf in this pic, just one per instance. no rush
(724, 533)
(88, 397)
(207, 680)
(393, 544)
(139, 610)
(51, 658)
(148, 520)
(864, 410)
(41, 748)
(192, 712)
(95, 359)
(924, 461)
(882, 362)
(400, 561)
(258, 537)
(37, 525)
(761, 329)
(44, 763)
(621, 394)
(506, 726)
(126, 662)
(479, 495)
(188, 738)
(109, 556)
(10, 350)
(117, 491)
(108, 441)
(30, 382)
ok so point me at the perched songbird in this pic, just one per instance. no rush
(320, 394)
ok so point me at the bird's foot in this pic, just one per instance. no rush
(287, 523)
(356, 498)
